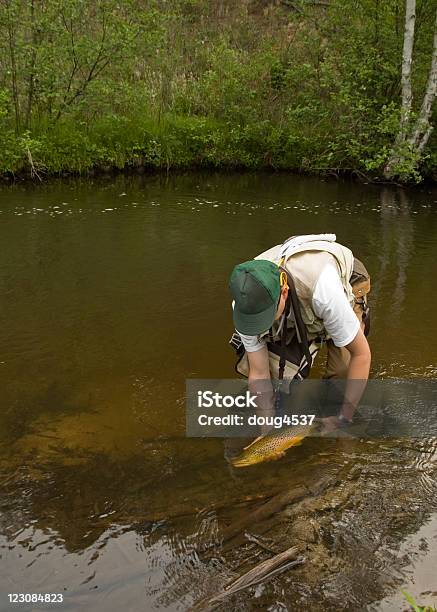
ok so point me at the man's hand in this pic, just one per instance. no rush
(330, 424)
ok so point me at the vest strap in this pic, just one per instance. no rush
(282, 357)
(301, 331)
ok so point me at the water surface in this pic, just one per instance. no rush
(112, 293)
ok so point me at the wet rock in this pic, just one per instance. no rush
(304, 529)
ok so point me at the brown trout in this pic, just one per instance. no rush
(273, 445)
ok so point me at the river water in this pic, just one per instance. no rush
(112, 293)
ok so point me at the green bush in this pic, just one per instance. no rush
(203, 83)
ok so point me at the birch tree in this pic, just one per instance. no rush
(414, 129)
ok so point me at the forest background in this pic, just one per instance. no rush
(303, 85)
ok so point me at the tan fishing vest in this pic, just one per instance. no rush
(305, 265)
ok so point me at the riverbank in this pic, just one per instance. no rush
(172, 142)
(117, 144)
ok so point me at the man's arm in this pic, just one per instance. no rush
(341, 323)
(259, 364)
(357, 373)
(260, 383)
(356, 380)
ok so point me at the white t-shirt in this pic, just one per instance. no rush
(329, 304)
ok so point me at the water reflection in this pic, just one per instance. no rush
(397, 232)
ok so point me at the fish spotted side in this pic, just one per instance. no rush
(273, 445)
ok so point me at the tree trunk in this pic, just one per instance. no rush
(413, 135)
(407, 60)
(423, 128)
(407, 96)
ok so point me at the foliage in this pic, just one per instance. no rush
(256, 83)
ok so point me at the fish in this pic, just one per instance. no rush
(272, 446)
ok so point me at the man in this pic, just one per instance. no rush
(331, 288)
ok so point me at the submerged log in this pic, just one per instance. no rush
(275, 504)
(261, 572)
(178, 511)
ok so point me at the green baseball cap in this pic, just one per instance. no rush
(255, 287)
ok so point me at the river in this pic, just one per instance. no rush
(113, 291)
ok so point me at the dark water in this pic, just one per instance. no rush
(112, 293)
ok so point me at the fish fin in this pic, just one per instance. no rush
(299, 441)
(243, 462)
(253, 442)
(278, 456)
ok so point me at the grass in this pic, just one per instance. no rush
(414, 605)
